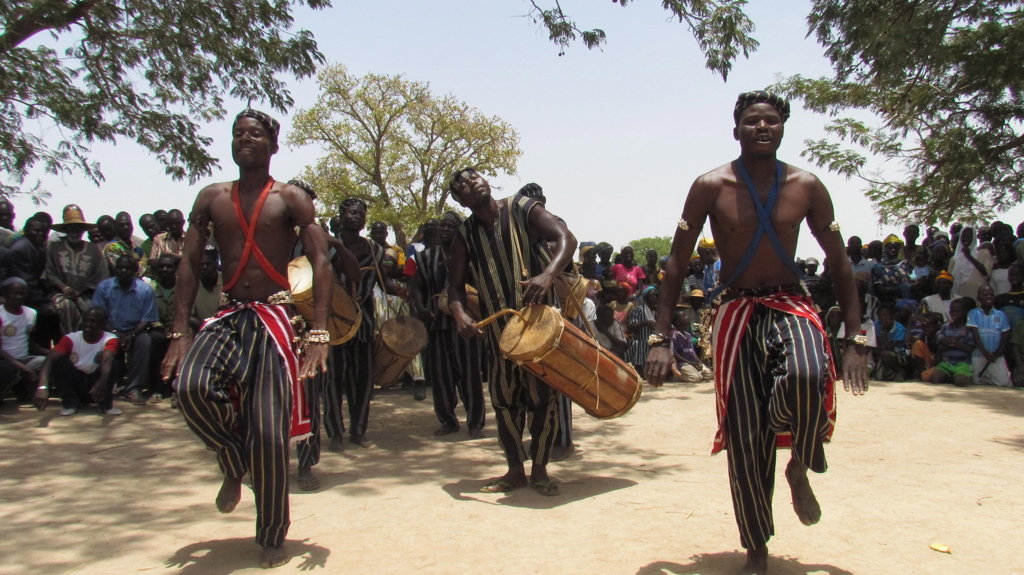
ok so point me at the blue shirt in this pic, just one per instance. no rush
(126, 308)
(990, 327)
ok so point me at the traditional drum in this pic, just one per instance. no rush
(472, 302)
(399, 340)
(343, 314)
(571, 361)
(570, 289)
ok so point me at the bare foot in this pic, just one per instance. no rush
(273, 557)
(804, 502)
(230, 494)
(308, 481)
(757, 562)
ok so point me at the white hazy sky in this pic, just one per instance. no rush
(614, 136)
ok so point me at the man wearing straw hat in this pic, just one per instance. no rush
(248, 350)
(74, 268)
(773, 367)
(497, 243)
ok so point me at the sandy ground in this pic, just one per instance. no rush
(911, 465)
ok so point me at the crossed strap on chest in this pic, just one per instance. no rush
(252, 249)
(765, 229)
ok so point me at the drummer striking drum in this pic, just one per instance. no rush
(498, 243)
(247, 350)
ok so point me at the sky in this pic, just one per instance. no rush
(614, 136)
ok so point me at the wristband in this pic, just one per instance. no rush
(43, 388)
(656, 339)
(315, 336)
(858, 340)
(177, 335)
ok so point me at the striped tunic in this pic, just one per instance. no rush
(499, 257)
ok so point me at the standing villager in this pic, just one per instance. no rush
(248, 349)
(452, 362)
(773, 366)
(497, 245)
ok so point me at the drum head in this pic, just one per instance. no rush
(533, 335)
(404, 335)
(300, 275)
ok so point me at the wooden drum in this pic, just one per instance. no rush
(569, 360)
(570, 289)
(472, 302)
(400, 339)
(343, 314)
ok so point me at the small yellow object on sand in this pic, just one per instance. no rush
(941, 548)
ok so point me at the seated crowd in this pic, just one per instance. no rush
(86, 304)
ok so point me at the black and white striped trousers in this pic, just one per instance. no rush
(779, 386)
(452, 363)
(516, 393)
(239, 351)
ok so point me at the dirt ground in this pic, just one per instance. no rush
(911, 465)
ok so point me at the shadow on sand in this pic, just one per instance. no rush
(225, 556)
(729, 562)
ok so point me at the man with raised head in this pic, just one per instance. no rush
(774, 371)
(249, 347)
(502, 243)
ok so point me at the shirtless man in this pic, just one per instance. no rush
(774, 371)
(249, 345)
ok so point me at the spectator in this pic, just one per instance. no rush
(956, 343)
(939, 301)
(686, 366)
(969, 266)
(20, 358)
(993, 329)
(74, 268)
(80, 366)
(131, 308)
(891, 359)
(924, 353)
(627, 272)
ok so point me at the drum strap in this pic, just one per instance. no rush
(251, 247)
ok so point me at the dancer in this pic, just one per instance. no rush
(773, 367)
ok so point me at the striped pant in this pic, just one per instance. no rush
(353, 376)
(308, 449)
(778, 386)
(238, 352)
(453, 367)
(516, 393)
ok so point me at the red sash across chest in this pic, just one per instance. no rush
(252, 249)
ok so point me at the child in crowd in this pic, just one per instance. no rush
(687, 367)
(956, 343)
(993, 329)
(891, 359)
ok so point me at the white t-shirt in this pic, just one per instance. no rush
(16, 329)
(86, 356)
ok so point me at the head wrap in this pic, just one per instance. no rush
(944, 275)
(306, 186)
(706, 243)
(648, 290)
(696, 293)
(748, 99)
(272, 126)
(892, 239)
(586, 247)
(13, 281)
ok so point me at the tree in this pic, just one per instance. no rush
(660, 244)
(153, 72)
(945, 82)
(392, 142)
(721, 28)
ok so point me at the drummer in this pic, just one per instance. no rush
(249, 345)
(345, 265)
(524, 276)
